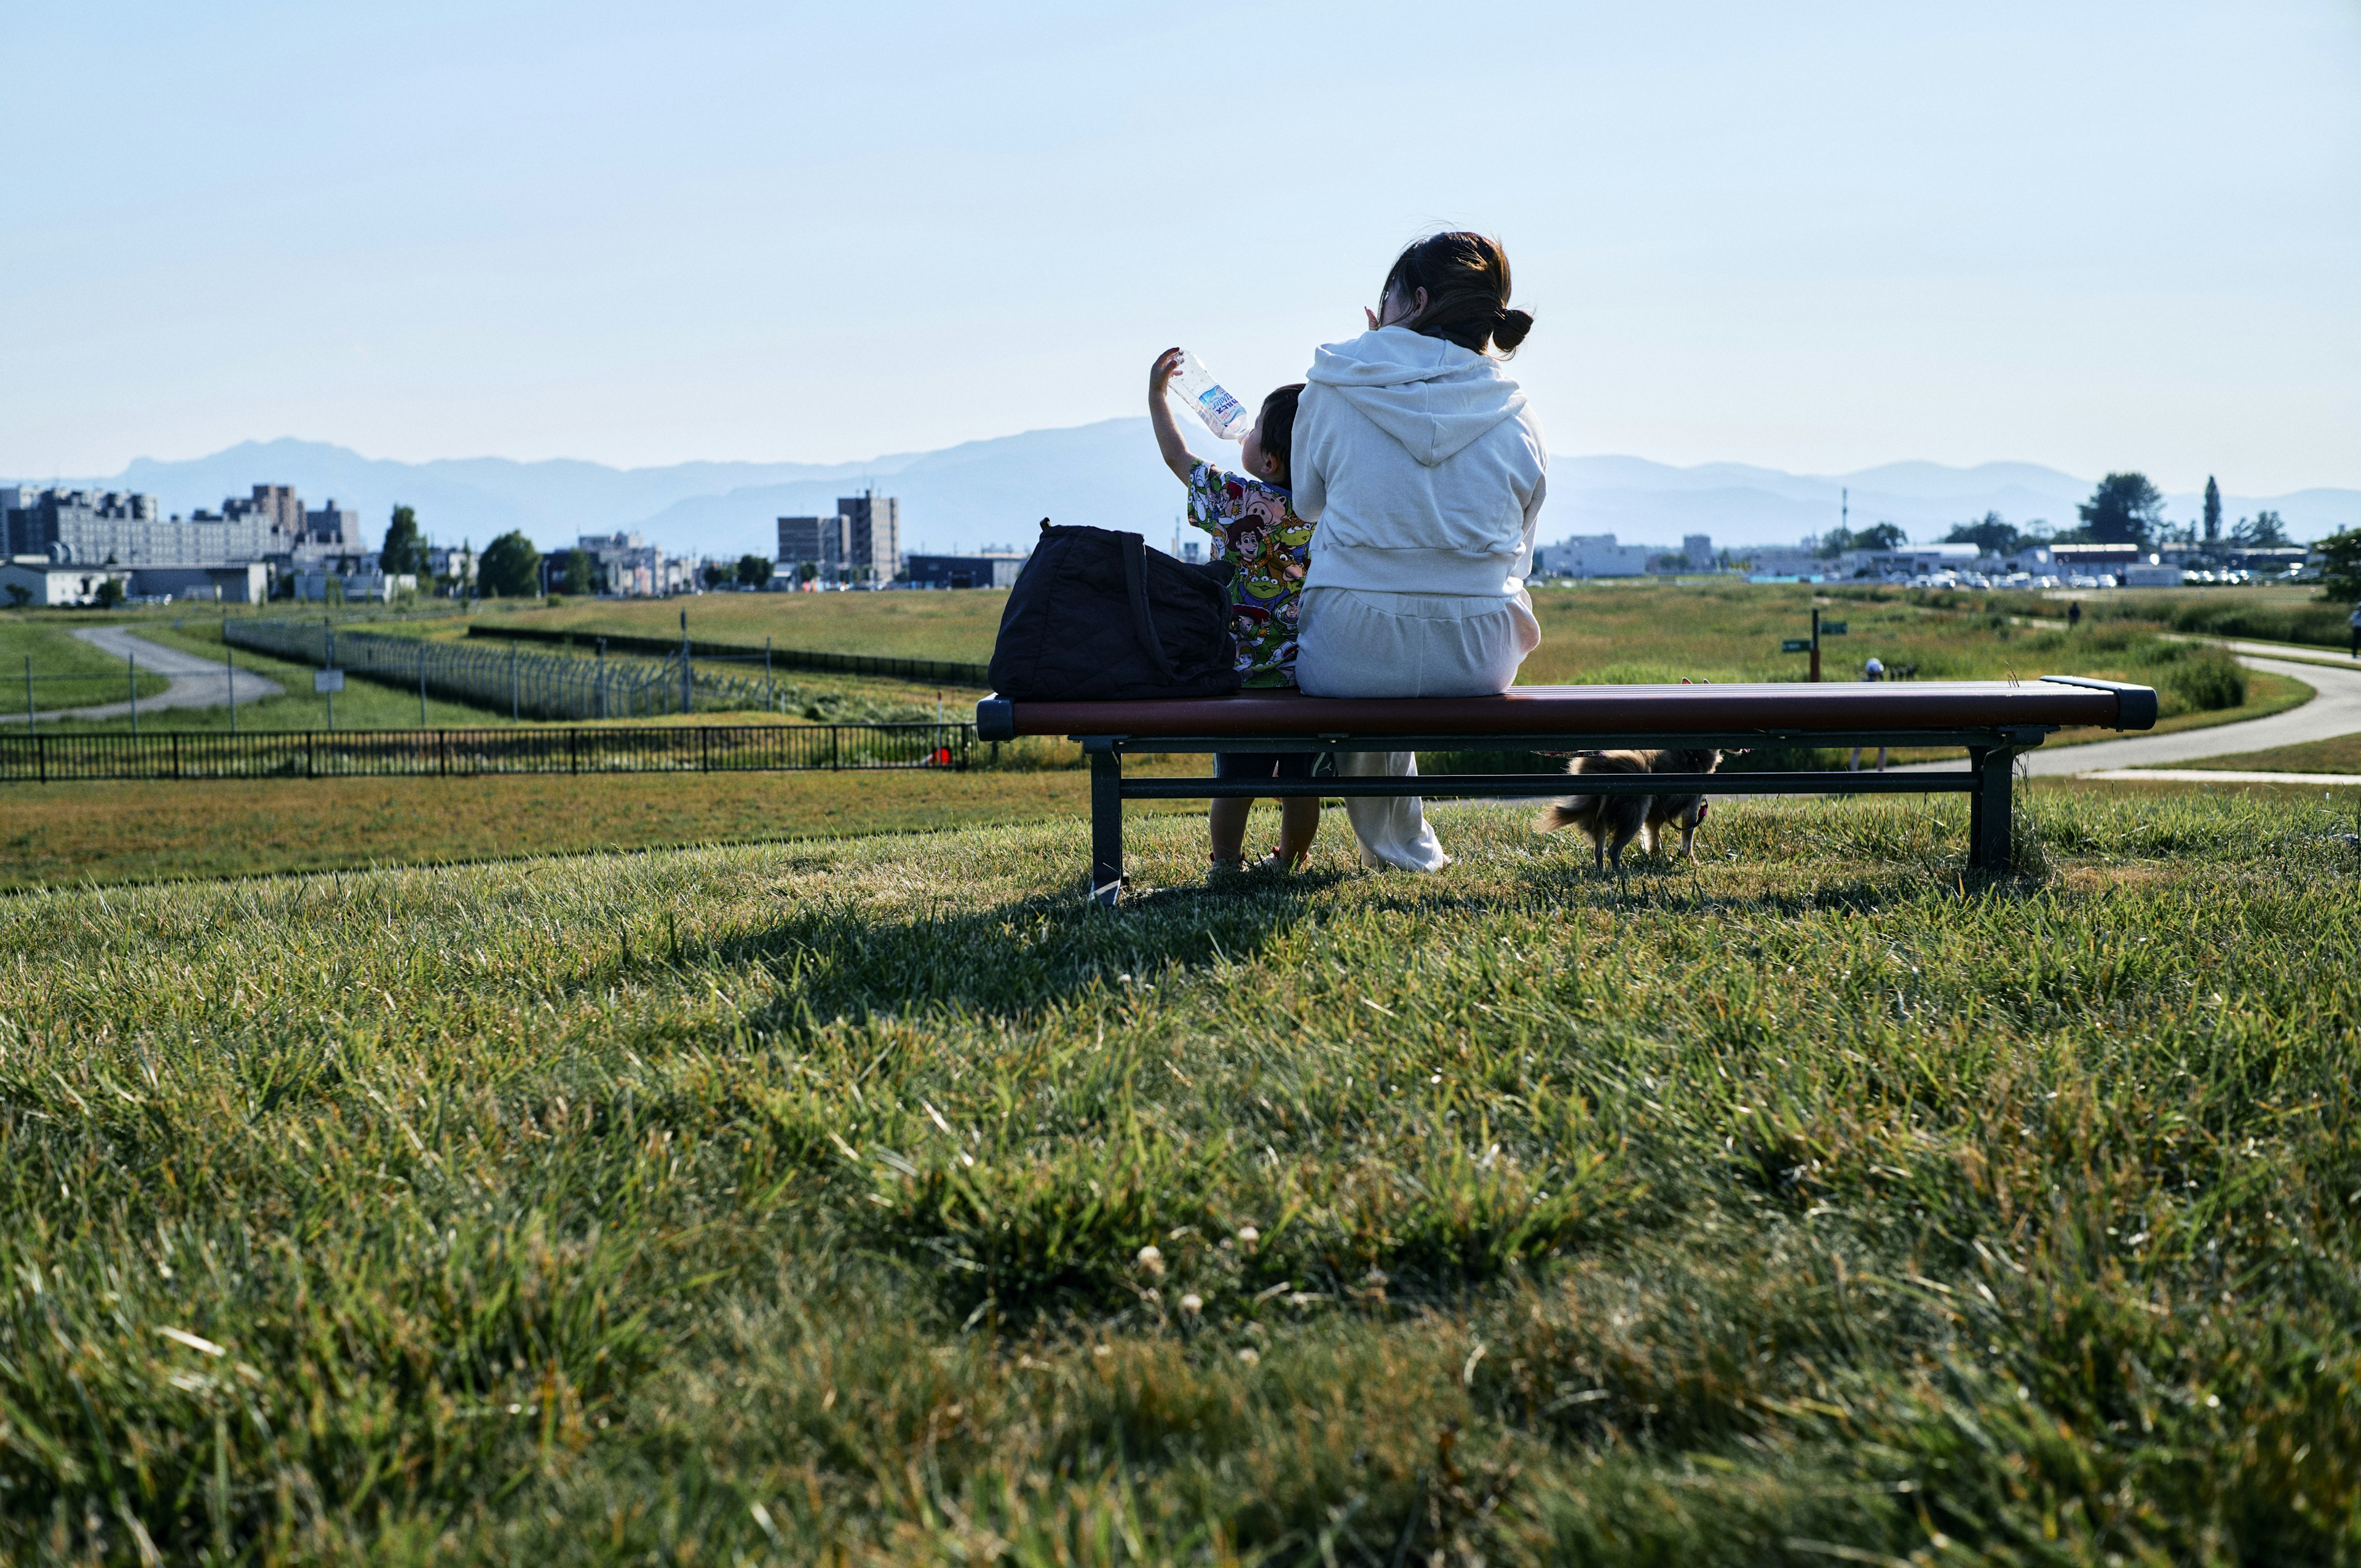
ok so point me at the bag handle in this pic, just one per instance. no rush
(1134, 577)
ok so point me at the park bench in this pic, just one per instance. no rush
(1994, 721)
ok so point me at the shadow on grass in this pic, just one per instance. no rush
(1009, 959)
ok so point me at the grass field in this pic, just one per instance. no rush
(369, 704)
(2337, 754)
(143, 830)
(876, 1200)
(69, 672)
(2272, 613)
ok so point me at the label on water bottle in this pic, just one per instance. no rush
(1220, 410)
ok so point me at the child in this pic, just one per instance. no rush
(1254, 525)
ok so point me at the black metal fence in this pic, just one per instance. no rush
(419, 753)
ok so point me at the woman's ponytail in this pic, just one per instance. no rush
(1465, 277)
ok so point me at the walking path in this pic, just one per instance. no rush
(195, 682)
(2221, 775)
(2335, 711)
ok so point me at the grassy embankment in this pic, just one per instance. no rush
(365, 704)
(2269, 614)
(2337, 754)
(793, 1203)
(68, 671)
(130, 830)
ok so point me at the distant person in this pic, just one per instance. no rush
(1872, 671)
(2073, 614)
(1252, 523)
(2354, 620)
(1417, 457)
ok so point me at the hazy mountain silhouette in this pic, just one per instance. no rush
(996, 491)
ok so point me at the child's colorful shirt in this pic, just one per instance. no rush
(1254, 524)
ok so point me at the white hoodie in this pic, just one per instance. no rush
(1422, 466)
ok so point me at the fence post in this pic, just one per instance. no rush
(573, 751)
(176, 753)
(42, 755)
(512, 682)
(229, 672)
(28, 694)
(770, 687)
(131, 664)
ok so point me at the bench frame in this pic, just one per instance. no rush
(1987, 781)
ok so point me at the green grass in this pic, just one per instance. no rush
(2336, 754)
(2270, 613)
(790, 1202)
(144, 830)
(68, 671)
(956, 626)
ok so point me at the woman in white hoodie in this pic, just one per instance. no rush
(1416, 456)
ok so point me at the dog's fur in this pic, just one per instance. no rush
(1611, 821)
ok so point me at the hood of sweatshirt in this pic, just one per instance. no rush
(1431, 395)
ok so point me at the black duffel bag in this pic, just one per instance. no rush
(1096, 615)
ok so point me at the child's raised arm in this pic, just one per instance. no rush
(1176, 455)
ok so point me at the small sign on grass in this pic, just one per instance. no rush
(327, 680)
(1796, 645)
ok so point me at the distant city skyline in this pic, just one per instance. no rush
(2091, 237)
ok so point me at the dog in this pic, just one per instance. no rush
(1611, 821)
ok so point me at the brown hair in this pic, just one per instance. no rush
(1465, 277)
(1278, 426)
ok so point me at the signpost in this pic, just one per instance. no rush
(1812, 645)
(328, 683)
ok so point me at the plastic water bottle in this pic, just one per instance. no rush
(1224, 414)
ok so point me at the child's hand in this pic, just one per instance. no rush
(1160, 374)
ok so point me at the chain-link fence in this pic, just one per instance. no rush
(526, 686)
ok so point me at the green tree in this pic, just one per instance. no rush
(1992, 533)
(2213, 511)
(404, 550)
(2267, 531)
(578, 566)
(110, 591)
(2340, 566)
(2124, 510)
(511, 567)
(808, 571)
(753, 571)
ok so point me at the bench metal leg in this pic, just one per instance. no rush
(1107, 825)
(1990, 806)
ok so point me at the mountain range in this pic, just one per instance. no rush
(993, 492)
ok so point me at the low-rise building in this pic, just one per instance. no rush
(987, 569)
(39, 582)
(1594, 556)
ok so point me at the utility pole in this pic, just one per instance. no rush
(1844, 509)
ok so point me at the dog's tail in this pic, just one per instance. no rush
(1560, 813)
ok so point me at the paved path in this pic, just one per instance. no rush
(2336, 710)
(196, 682)
(2221, 775)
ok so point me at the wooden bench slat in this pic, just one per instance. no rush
(1849, 707)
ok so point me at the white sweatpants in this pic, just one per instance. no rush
(1364, 644)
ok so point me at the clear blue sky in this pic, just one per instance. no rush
(2099, 233)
